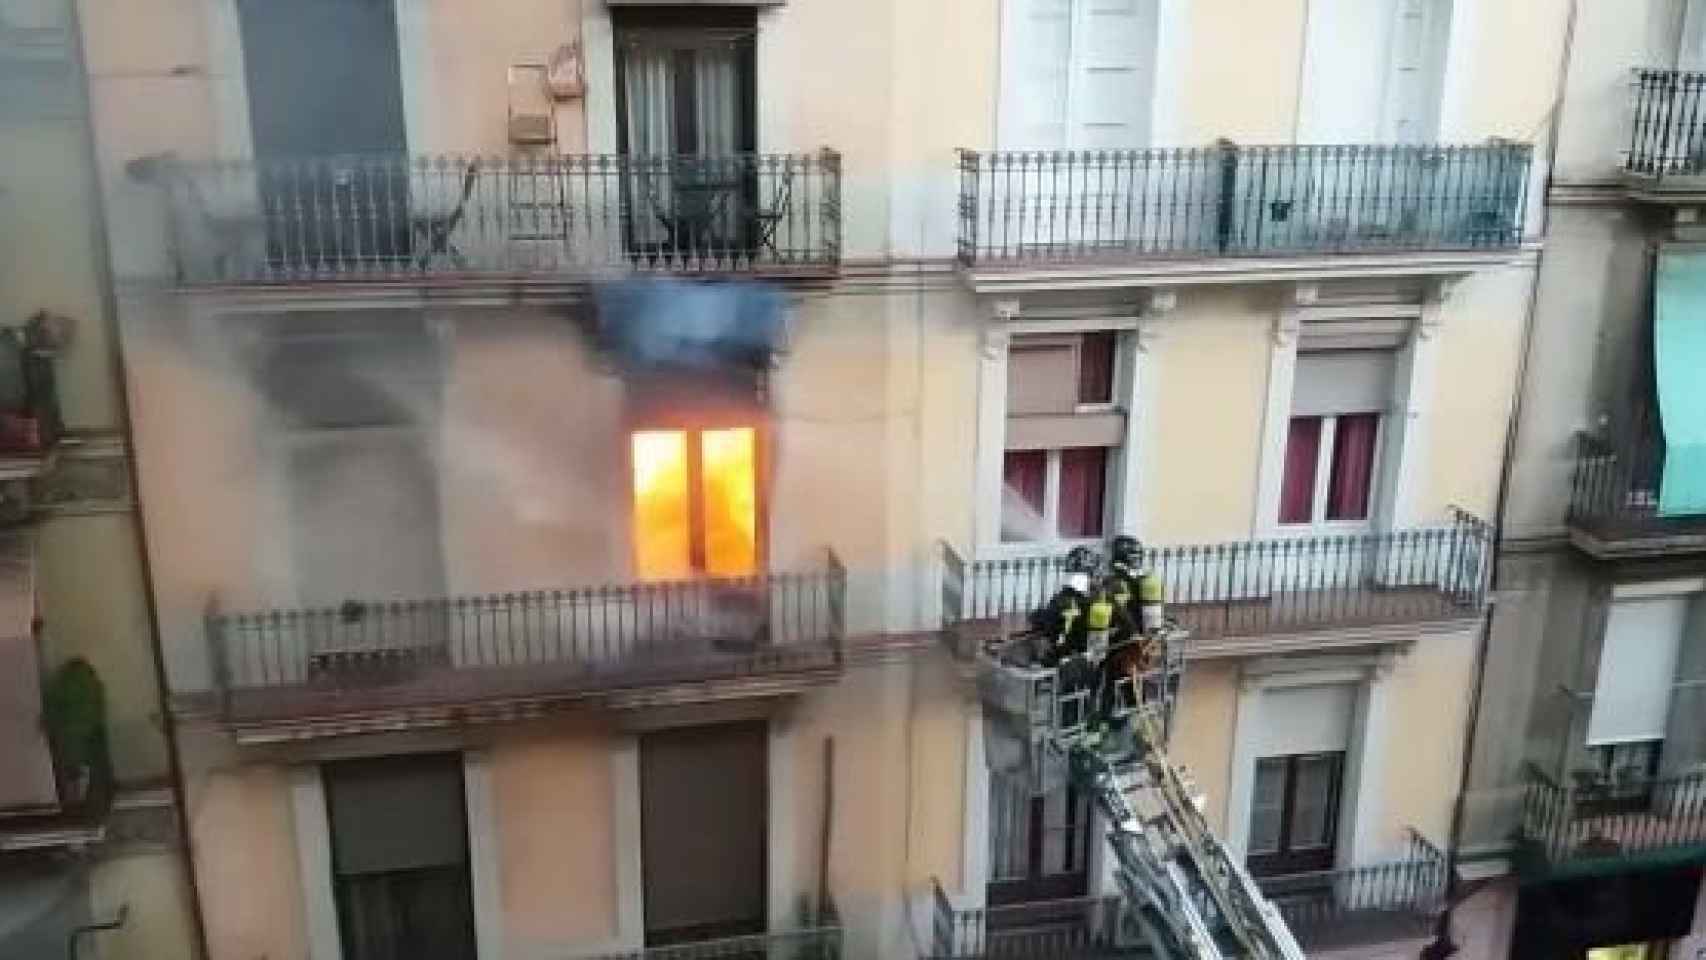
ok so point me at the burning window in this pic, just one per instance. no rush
(695, 502)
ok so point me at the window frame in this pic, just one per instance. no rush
(740, 23)
(1325, 446)
(1286, 858)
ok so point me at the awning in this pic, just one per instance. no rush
(26, 766)
(1679, 356)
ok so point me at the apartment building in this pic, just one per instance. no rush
(90, 844)
(511, 611)
(1597, 639)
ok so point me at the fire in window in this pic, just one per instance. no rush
(695, 502)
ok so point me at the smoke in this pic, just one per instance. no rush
(650, 325)
(1020, 520)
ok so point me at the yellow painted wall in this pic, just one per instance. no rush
(466, 83)
(554, 809)
(1203, 729)
(246, 863)
(1209, 364)
(1424, 746)
(154, 885)
(1241, 69)
(1505, 86)
(937, 775)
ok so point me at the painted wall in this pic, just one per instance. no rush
(1596, 112)
(1208, 708)
(1428, 707)
(554, 812)
(246, 863)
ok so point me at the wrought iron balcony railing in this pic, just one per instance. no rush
(1076, 928)
(1615, 493)
(1381, 901)
(1599, 819)
(388, 217)
(280, 664)
(818, 943)
(1027, 207)
(1252, 588)
(1668, 130)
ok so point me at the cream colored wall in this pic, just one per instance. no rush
(1208, 368)
(1203, 731)
(1241, 71)
(1480, 350)
(1429, 703)
(246, 863)
(463, 93)
(152, 884)
(1611, 41)
(554, 809)
(937, 775)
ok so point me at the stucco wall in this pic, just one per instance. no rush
(246, 863)
(1203, 731)
(554, 812)
(1612, 39)
(1423, 748)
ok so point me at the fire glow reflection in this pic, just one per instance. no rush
(695, 502)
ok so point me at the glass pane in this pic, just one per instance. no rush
(731, 501)
(1297, 489)
(1083, 483)
(1313, 800)
(662, 536)
(1024, 475)
(1096, 368)
(1267, 803)
(1353, 466)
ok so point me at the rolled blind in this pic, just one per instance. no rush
(396, 813)
(1637, 667)
(1312, 719)
(1342, 381)
(1063, 432)
(1042, 379)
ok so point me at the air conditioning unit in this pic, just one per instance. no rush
(530, 113)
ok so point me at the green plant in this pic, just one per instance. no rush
(74, 709)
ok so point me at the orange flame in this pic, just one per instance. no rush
(726, 495)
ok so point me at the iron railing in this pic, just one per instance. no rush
(608, 634)
(1260, 587)
(1594, 819)
(1231, 200)
(1379, 901)
(367, 217)
(1668, 132)
(817, 943)
(1619, 472)
(1076, 928)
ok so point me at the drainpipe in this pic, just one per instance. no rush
(109, 307)
(1442, 945)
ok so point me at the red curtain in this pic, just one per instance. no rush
(1083, 483)
(1297, 490)
(1025, 474)
(1353, 466)
(1096, 368)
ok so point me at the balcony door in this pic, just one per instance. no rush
(326, 115)
(1075, 75)
(1039, 847)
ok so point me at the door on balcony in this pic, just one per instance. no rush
(401, 878)
(703, 839)
(1294, 813)
(1039, 847)
(326, 115)
(685, 112)
(1076, 75)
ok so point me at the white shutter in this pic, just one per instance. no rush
(1417, 65)
(1342, 381)
(1691, 52)
(1637, 668)
(1036, 51)
(1112, 74)
(1343, 70)
(1312, 719)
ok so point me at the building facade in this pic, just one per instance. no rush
(511, 610)
(1596, 636)
(91, 854)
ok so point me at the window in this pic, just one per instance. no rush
(1332, 441)
(1373, 70)
(695, 502)
(1294, 813)
(684, 81)
(1077, 74)
(400, 857)
(1637, 669)
(1039, 846)
(1063, 430)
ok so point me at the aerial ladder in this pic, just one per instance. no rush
(1186, 896)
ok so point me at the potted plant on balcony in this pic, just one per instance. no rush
(74, 711)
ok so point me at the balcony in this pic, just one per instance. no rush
(389, 218)
(1615, 494)
(1075, 928)
(1394, 900)
(1256, 596)
(29, 399)
(1117, 208)
(1667, 139)
(291, 674)
(1603, 826)
(818, 943)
